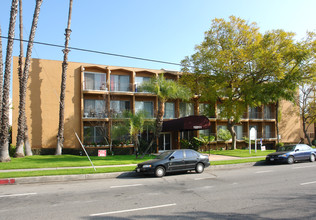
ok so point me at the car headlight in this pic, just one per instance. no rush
(147, 166)
(283, 155)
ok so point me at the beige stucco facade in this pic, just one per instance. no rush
(42, 103)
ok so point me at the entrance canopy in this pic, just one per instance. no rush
(194, 122)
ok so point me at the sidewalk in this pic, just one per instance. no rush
(63, 178)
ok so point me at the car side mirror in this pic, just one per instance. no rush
(171, 158)
(297, 150)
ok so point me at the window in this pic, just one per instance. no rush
(94, 81)
(94, 135)
(267, 112)
(239, 133)
(118, 107)
(204, 109)
(190, 154)
(164, 142)
(169, 110)
(186, 109)
(148, 107)
(205, 132)
(178, 155)
(187, 135)
(267, 131)
(94, 108)
(253, 112)
(139, 80)
(120, 83)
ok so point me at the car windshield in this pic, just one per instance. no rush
(164, 155)
(287, 148)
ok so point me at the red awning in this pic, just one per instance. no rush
(194, 122)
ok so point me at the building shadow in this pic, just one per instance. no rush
(34, 88)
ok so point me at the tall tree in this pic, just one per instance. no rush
(306, 101)
(165, 90)
(244, 68)
(60, 136)
(1, 77)
(23, 84)
(4, 131)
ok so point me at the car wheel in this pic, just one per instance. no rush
(290, 160)
(160, 171)
(199, 168)
(312, 158)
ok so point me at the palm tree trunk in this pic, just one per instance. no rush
(158, 126)
(22, 115)
(60, 136)
(4, 132)
(1, 78)
(19, 152)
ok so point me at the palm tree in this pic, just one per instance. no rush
(23, 83)
(1, 77)
(165, 90)
(135, 126)
(4, 131)
(60, 136)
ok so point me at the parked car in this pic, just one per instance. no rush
(174, 161)
(292, 153)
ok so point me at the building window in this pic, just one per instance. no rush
(138, 81)
(117, 107)
(186, 109)
(94, 108)
(169, 110)
(147, 107)
(94, 135)
(187, 135)
(239, 133)
(253, 112)
(94, 81)
(206, 132)
(267, 131)
(204, 109)
(267, 112)
(120, 83)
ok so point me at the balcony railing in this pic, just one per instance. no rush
(95, 115)
(121, 87)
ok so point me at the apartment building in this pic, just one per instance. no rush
(97, 94)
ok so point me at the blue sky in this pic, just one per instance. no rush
(164, 30)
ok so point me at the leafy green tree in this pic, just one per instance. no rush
(164, 89)
(242, 67)
(225, 135)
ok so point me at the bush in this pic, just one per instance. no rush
(279, 145)
(11, 150)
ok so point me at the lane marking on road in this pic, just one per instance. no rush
(264, 171)
(134, 210)
(15, 195)
(204, 178)
(302, 184)
(303, 167)
(125, 186)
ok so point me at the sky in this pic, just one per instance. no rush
(165, 30)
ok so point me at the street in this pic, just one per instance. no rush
(258, 192)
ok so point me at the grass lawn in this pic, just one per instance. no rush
(49, 161)
(240, 153)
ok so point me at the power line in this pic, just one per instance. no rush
(98, 52)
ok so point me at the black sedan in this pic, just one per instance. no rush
(292, 153)
(174, 161)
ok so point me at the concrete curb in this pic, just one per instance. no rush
(66, 178)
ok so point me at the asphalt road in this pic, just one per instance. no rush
(258, 192)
